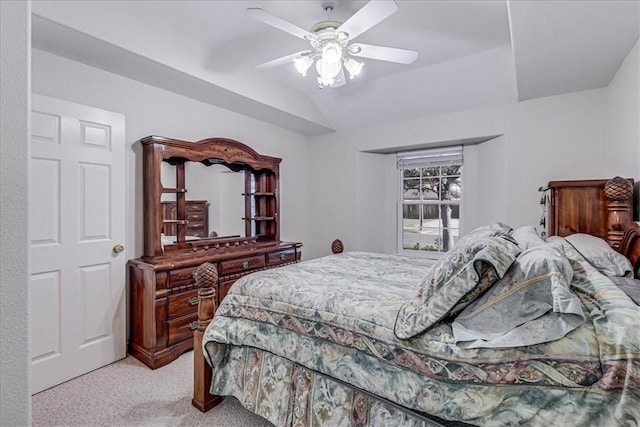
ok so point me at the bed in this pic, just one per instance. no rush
(374, 339)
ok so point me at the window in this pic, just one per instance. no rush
(430, 191)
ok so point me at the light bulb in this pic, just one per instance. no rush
(330, 64)
(332, 53)
(327, 71)
(353, 67)
(302, 64)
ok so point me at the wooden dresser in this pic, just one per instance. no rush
(197, 215)
(164, 298)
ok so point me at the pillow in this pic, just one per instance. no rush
(527, 237)
(531, 304)
(496, 229)
(601, 255)
(629, 286)
(464, 273)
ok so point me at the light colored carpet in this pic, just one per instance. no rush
(127, 393)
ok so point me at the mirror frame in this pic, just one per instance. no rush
(233, 154)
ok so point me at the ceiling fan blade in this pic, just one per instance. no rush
(391, 54)
(279, 23)
(281, 61)
(371, 14)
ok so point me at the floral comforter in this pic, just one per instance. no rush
(335, 316)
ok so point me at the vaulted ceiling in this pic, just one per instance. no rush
(471, 53)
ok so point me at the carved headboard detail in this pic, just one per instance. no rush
(631, 246)
(599, 207)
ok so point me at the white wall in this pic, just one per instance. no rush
(331, 189)
(372, 214)
(561, 137)
(153, 111)
(484, 183)
(15, 49)
(623, 127)
(622, 134)
(333, 178)
(554, 138)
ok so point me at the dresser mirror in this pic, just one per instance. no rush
(207, 195)
(220, 188)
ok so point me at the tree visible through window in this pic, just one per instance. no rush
(430, 194)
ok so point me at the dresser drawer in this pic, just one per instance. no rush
(182, 328)
(181, 304)
(195, 216)
(192, 206)
(242, 264)
(198, 225)
(181, 277)
(281, 257)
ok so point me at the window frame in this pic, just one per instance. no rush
(442, 156)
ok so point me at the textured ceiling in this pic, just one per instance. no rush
(471, 53)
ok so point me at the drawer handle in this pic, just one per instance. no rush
(193, 301)
(245, 264)
(283, 256)
(195, 216)
(194, 325)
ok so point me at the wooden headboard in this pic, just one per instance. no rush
(630, 246)
(599, 207)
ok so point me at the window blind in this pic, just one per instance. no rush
(449, 156)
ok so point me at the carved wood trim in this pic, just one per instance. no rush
(206, 280)
(619, 194)
(228, 150)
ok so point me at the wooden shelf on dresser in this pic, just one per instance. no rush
(164, 299)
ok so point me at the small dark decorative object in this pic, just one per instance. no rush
(337, 247)
(618, 189)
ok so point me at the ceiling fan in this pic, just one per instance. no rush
(332, 49)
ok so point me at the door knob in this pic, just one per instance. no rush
(118, 248)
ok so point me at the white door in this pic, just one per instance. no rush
(76, 219)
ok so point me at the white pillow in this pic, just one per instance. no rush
(601, 255)
(527, 237)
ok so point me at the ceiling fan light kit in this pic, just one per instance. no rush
(303, 63)
(330, 40)
(353, 67)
